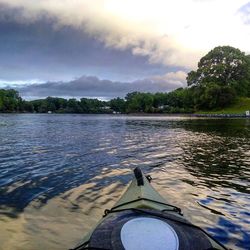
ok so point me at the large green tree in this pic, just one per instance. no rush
(139, 102)
(213, 96)
(118, 104)
(10, 101)
(225, 66)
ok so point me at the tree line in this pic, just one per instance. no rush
(222, 76)
(176, 101)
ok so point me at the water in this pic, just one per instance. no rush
(59, 172)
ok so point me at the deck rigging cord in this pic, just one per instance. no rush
(160, 214)
(84, 246)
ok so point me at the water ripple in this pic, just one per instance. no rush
(58, 171)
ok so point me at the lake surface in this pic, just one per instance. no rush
(59, 172)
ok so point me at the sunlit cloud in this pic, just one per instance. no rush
(173, 33)
(177, 79)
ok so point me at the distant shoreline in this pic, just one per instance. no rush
(143, 114)
(222, 115)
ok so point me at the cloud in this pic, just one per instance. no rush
(172, 78)
(89, 86)
(173, 33)
(244, 11)
(37, 51)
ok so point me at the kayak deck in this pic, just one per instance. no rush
(141, 196)
(142, 193)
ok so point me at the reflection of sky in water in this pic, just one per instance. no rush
(58, 173)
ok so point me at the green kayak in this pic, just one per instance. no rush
(142, 220)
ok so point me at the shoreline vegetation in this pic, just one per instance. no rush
(220, 87)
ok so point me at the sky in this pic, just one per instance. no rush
(107, 48)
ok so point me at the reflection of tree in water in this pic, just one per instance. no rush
(219, 153)
(221, 127)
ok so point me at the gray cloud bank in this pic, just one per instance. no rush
(89, 86)
(38, 50)
(152, 29)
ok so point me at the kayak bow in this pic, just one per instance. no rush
(142, 220)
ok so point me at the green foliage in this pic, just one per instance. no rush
(139, 102)
(10, 101)
(222, 74)
(239, 106)
(73, 106)
(213, 96)
(94, 106)
(178, 101)
(118, 105)
(60, 105)
(222, 65)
